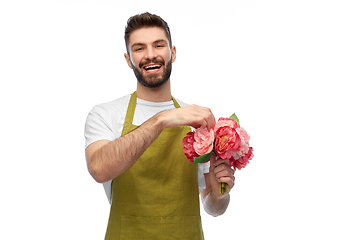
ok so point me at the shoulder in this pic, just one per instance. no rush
(109, 113)
(105, 120)
(113, 107)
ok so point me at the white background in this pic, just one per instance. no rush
(289, 69)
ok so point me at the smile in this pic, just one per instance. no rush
(152, 68)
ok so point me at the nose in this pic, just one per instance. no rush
(151, 53)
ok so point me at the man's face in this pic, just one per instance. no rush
(150, 56)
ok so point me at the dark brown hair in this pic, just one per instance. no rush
(145, 20)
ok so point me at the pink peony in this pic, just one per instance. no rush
(227, 139)
(242, 161)
(243, 134)
(244, 147)
(249, 155)
(237, 155)
(204, 140)
(225, 122)
(188, 144)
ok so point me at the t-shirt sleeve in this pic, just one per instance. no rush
(98, 126)
(202, 168)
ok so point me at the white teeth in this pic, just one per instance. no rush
(152, 66)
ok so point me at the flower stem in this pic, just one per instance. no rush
(224, 188)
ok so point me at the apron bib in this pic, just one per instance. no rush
(157, 197)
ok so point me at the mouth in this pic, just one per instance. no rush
(152, 67)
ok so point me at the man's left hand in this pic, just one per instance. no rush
(220, 171)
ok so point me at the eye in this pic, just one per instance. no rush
(159, 46)
(138, 49)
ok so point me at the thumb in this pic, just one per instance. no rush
(212, 161)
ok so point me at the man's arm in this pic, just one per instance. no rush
(213, 201)
(108, 159)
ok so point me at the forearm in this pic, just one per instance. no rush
(114, 158)
(214, 205)
(108, 160)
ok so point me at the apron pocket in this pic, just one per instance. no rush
(169, 228)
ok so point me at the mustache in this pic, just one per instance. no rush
(141, 64)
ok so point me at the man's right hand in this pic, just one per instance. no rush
(108, 159)
(192, 115)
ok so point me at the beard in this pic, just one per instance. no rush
(153, 81)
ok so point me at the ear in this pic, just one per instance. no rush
(173, 54)
(128, 60)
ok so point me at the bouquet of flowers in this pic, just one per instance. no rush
(227, 141)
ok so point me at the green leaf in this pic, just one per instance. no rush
(202, 159)
(235, 118)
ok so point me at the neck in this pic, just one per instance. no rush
(161, 94)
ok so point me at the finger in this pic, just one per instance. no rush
(209, 118)
(204, 123)
(211, 121)
(227, 179)
(201, 116)
(222, 161)
(223, 170)
(224, 174)
(221, 167)
(212, 162)
(206, 115)
(198, 121)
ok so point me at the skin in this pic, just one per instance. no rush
(108, 159)
(143, 46)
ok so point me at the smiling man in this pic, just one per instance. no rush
(133, 147)
(153, 67)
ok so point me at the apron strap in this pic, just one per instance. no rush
(131, 110)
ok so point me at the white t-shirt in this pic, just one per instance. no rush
(105, 122)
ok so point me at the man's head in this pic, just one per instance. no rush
(149, 50)
(145, 20)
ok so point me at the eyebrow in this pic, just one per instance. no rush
(160, 40)
(142, 44)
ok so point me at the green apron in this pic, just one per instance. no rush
(157, 197)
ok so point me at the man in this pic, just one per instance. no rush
(133, 146)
